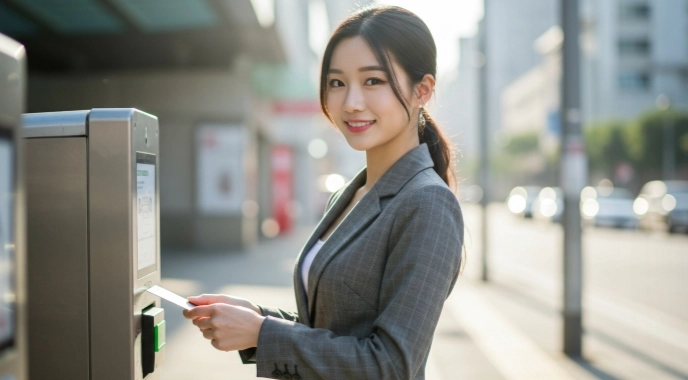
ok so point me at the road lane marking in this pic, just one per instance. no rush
(513, 354)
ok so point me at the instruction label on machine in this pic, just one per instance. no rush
(146, 214)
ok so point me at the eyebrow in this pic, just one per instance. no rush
(362, 69)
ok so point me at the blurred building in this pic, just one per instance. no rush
(316, 148)
(234, 85)
(512, 26)
(531, 102)
(635, 50)
(632, 51)
(458, 111)
(190, 63)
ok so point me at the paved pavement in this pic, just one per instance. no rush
(509, 329)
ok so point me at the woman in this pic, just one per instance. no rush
(371, 281)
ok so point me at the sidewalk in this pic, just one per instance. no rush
(486, 331)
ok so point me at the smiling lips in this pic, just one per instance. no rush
(358, 126)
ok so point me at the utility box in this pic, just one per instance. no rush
(93, 232)
(12, 231)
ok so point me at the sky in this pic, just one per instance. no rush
(448, 20)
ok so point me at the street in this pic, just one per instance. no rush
(635, 302)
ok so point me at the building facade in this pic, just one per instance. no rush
(192, 65)
(632, 51)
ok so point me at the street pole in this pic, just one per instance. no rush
(484, 140)
(669, 154)
(669, 149)
(573, 179)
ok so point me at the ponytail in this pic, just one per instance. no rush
(440, 149)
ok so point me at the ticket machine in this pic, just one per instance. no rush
(12, 242)
(94, 245)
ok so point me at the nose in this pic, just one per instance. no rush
(354, 100)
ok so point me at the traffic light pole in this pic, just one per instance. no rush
(573, 178)
(484, 142)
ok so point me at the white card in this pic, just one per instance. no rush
(172, 297)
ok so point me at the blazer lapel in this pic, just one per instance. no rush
(364, 213)
(332, 214)
(367, 209)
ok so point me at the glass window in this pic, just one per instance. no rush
(634, 47)
(634, 12)
(634, 80)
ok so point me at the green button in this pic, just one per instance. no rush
(159, 331)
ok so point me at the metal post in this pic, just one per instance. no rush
(573, 178)
(669, 148)
(669, 152)
(484, 140)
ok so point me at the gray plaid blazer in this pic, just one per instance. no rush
(376, 287)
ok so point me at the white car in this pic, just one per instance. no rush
(521, 199)
(677, 218)
(549, 204)
(656, 200)
(608, 207)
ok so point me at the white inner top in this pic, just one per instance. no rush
(308, 260)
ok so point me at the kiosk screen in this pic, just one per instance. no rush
(146, 213)
(7, 323)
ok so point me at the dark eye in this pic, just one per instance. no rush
(374, 81)
(335, 83)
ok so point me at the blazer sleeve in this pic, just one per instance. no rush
(424, 257)
(248, 356)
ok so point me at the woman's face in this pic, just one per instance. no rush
(361, 101)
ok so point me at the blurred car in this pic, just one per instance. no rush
(608, 207)
(549, 204)
(521, 199)
(677, 217)
(656, 200)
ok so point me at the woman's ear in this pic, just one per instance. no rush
(425, 88)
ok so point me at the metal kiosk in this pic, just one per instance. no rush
(93, 232)
(12, 242)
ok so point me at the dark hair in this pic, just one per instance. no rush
(394, 32)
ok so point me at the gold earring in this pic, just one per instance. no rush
(421, 119)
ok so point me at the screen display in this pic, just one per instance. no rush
(7, 323)
(146, 213)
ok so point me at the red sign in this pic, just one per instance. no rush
(296, 107)
(282, 186)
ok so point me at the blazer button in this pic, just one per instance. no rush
(286, 375)
(276, 374)
(296, 376)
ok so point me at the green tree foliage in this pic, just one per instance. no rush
(646, 139)
(606, 146)
(639, 142)
(523, 143)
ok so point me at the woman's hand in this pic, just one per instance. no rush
(209, 299)
(228, 327)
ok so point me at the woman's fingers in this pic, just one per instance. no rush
(204, 323)
(208, 334)
(229, 327)
(195, 321)
(199, 312)
(208, 299)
